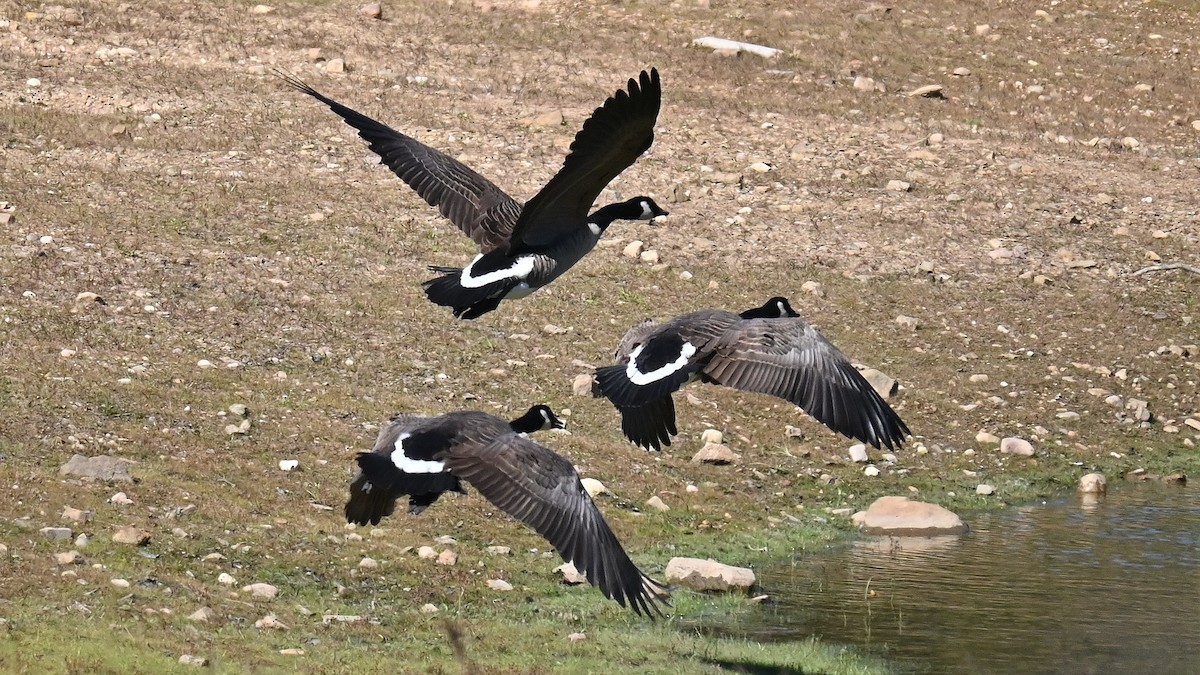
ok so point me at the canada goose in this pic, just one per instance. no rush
(522, 247)
(767, 349)
(424, 456)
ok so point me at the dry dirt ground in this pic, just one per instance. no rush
(149, 157)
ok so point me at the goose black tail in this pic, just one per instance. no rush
(467, 303)
(379, 483)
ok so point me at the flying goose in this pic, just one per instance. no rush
(522, 246)
(423, 457)
(767, 349)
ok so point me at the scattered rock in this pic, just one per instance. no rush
(289, 464)
(102, 467)
(899, 516)
(57, 533)
(372, 10)
(691, 489)
(261, 590)
(985, 489)
(583, 385)
(813, 288)
(858, 453)
(226, 579)
(202, 615)
(337, 65)
(881, 382)
(426, 552)
(549, 119)
(633, 249)
(1140, 409)
(76, 515)
(81, 541)
(120, 499)
(292, 651)
(429, 608)
(189, 660)
(270, 622)
(499, 585)
(445, 540)
(595, 487)
(570, 575)
(708, 575)
(1093, 483)
(870, 471)
(908, 322)
(132, 535)
(69, 558)
(928, 91)
(577, 637)
(715, 453)
(1017, 446)
(368, 564)
(499, 550)
(447, 557)
(864, 83)
(961, 72)
(984, 438)
(712, 436)
(262, 9)
(328, 619)
(898, 186)
(658, 504)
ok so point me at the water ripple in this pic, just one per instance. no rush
(1112, 587)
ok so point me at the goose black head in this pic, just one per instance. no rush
(539, 418)
(777, 307)
(638, 208)
(649, 209)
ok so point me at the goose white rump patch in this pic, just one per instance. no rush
(641, 379)
(409, 465)
(519, 269)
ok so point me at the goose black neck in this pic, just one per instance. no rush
(605, 215)
(529, 422)
(775, 308)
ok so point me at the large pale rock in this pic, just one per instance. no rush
(1017, 446)
(570, 575)
(883, 384)
(594, 487)
(76, 515)
(715, 453)
(261, 590)
(657, 504)
(1093, 483)
(902, 517)
(131, 535)
(102, 467)
(708, 575)
(583, 385)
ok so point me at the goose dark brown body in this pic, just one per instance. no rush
(426, 456)
(522, 247)
(769, 350)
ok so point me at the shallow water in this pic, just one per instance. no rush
(1062, 587)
